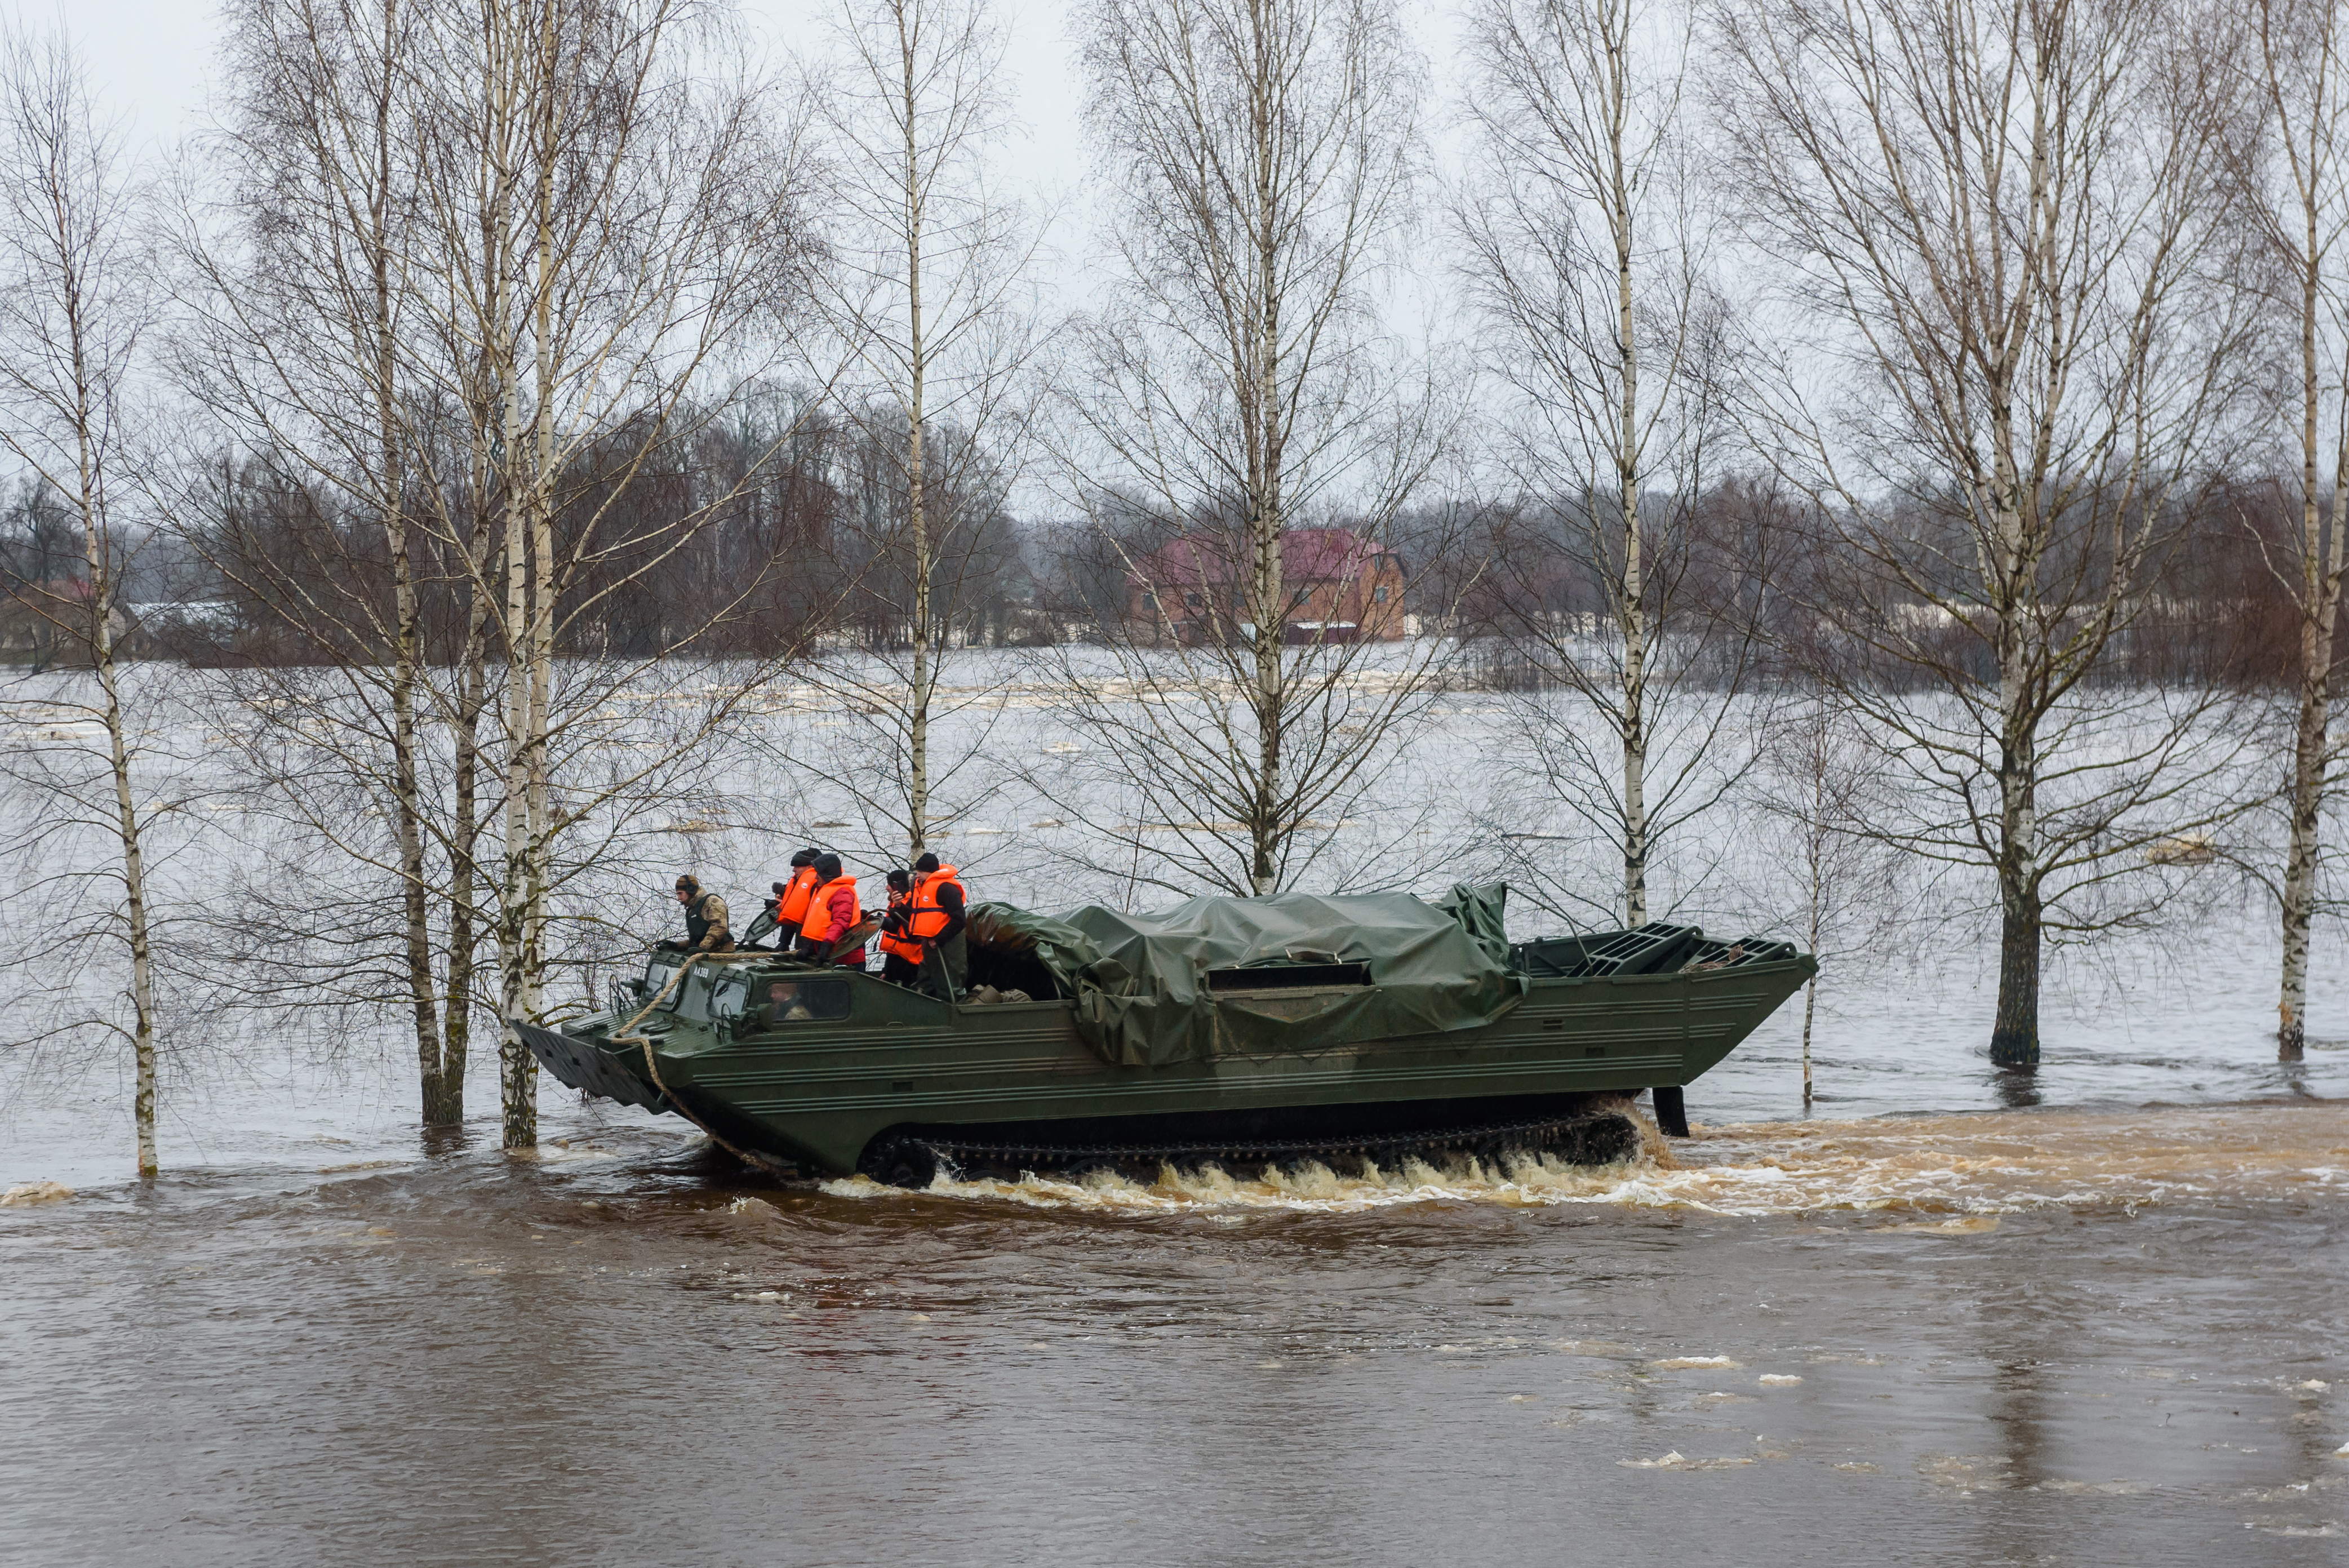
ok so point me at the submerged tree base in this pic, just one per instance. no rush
(443, 1101)
(2015, 1048)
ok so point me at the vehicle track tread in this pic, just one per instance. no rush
(1612, 1143)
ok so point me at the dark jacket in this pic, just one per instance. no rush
(705, 927)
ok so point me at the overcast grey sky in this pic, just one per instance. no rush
(147, 59)
(152, 61)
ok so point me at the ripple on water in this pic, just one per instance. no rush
(1970, 1168)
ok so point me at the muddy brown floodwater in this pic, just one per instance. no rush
(2058, 1337)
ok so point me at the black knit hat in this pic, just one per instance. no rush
(827, 866)
(804, 858)
(929, 862)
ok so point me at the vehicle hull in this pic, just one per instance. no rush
(819, 1095)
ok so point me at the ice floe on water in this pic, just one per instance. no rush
(1963, 1170)
(1676, 1460)
(28, 1192)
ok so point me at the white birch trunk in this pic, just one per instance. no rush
(1631, 604)
(127, 827)
(2301, 64)
(68, 359)
(917, 366)
(1261, 405)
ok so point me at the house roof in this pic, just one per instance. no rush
(1307, 555)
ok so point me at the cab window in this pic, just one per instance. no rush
(656, 975)
(783, 1002)
(730, 998)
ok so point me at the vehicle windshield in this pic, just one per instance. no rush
(657, 975)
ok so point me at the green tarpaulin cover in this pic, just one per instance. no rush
(1140, 980)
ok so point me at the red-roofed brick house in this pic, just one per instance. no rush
(1341, 588)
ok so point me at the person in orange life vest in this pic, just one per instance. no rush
(901, 956)
(792, 897)
(937, 924)
(832, 910)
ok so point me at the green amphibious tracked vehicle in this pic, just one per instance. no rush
(1257, 1030)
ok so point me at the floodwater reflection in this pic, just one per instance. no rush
(2015, 1089)
(2000, 1337)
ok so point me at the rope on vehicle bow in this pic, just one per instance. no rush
(620, 1037)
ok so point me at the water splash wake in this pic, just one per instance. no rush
(1970, 1168)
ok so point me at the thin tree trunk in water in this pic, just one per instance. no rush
(1810, 1002)
(522, 1108)
(134, 862)
(1817, 835)
(1633, 608)
(436, 1106)
(917, 787)
(496, 525)
(465, 834)
(2014, 1033)
(917, 791)
(443, 1102)
(1271, 617)
(519, 1086)
(134, 883)
(1635, 778)
(1265, 518)
(99, 563)
(2308, 778)
(2320, 603)
(513, 914)
(134, 870)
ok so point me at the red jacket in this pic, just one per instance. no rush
(832, 910)
(843, 906)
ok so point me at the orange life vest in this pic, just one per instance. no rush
(898, 946)
(928, 918)
(792, 909)
(818, 925)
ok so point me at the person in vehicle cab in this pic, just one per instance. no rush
(901, 954)
(832, 910)
(783, 1004)
(937, 924)
(705, 927)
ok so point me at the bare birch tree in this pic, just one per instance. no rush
(929, 293)
(499, 269)
(300, 301)
(615, 238)
(1589, 253)
(2295, 181)
(1236, 388)
(77, 297)
(1993, 217)
(1820, 784)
